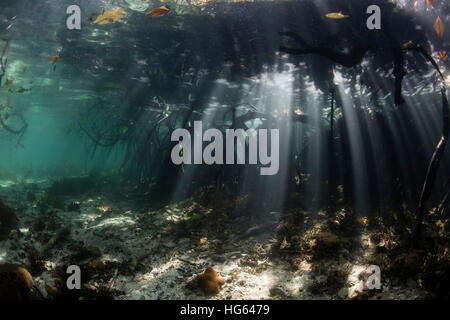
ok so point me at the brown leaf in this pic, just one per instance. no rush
(109, 16)
(439, 27)
(163, 10)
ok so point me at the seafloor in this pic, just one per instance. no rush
(129, 248)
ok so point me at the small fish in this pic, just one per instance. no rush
(22, 90)
(10, 26)
(336, 15)
(54, 58)
(430, 3)
(441, 55)
(416, 4)
(407, 44)
(91, 18)
(161, 11)
(8, 82)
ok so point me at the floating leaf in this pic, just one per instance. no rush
(163, 10)
(363, 220)
(109, 16)
(439, 27)
(407, 44)
(336, 15)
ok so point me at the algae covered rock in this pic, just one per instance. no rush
(210, 282)
(16, 283)
(8, 221)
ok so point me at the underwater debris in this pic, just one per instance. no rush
(8, 221)
(336, 15)
(439, 27)
(104, 209)
(16, 283)
(203, 244)
(109, 16)
(210, 282)
(74, 206)
(199, 3)
(407, 44)
(54, 59)
(161, 11)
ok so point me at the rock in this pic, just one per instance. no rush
(8, 221)
(343, 293)
(277, 292)
(327, 239)
(210, 282)
(74, 206)
(16, 283)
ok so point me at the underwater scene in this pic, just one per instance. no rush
(224, 149)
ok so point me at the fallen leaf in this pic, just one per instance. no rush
(109, 16)
(407, 44)
(336, 15)
(163, 10)
(363, 220)
(439, 27)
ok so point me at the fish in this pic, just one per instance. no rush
(407, 44)
(416, 4)
(8, 82)
(430, 3)
(54, 58)
(161, 11)
(441, 55)
(22, 90)
(336, 15)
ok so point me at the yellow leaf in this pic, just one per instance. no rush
(335, 15)
(363, 220)
(439, 27)
(109, 16)
(407, 44)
